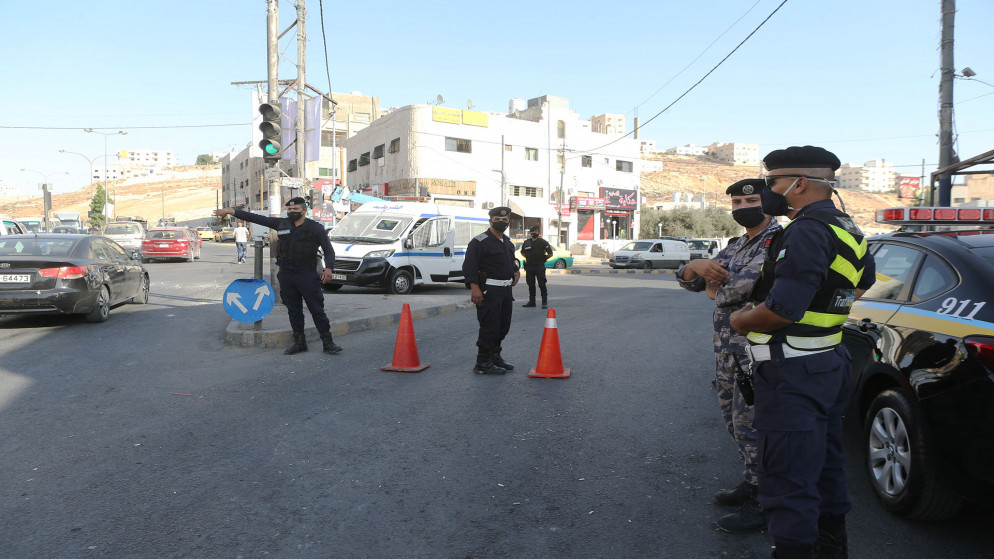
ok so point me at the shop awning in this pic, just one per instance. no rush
(527, 206)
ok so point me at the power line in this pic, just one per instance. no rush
(124, 127)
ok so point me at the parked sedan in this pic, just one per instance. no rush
(170, 243)
(206, 233)
(225, 234)
(52, 273)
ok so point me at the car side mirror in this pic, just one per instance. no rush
(409, 243)
(136, 255)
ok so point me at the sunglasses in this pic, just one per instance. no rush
(770, 179)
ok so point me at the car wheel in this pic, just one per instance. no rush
(647, 265)
(142, 296)
(899, 463)
(101, 310)
(560, 264)
(331, 286)
(401, 282)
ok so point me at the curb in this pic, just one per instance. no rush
(570, 271)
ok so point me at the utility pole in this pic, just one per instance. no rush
(946, 154)
(272, 95)
(301, 84)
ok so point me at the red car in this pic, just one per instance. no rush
(170, 242)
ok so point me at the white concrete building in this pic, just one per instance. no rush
(873, 176)
(135, 163)
(459, 157)
(689, 149)
(735, 153)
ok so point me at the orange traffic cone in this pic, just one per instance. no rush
(405, 351)
(550, 360)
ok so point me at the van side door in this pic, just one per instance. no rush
(431, 252)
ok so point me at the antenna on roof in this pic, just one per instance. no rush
(439, 100)
(469, 103)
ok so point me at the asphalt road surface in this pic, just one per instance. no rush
(146, 436)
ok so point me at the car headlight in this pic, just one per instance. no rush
(637, 255)
(379, 254)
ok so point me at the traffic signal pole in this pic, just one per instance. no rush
(301, 84)
(272, 95)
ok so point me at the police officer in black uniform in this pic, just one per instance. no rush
(298, 242)
(491, 270)
(536, 251)
(812, 272)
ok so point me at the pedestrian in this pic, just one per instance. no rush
(491, 270)
(714, 245)
(729, 279)
(241, 241)
(536, 251)
(298, 241)
(812, 272)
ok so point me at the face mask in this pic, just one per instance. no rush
(499, 226)
(748, 217)
(294, 216)
(776, 204)
(534, 235)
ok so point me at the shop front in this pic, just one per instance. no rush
(618, 221)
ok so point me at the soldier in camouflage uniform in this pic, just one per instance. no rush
(729, 279)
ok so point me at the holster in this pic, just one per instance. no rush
(744, 381)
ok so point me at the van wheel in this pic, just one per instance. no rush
(401, 282)
(647, 265)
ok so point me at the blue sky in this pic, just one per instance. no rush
(859, 78)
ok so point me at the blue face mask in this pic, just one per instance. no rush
(776, 204)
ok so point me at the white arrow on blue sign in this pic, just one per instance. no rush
(248, 300)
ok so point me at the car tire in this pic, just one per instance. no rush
(560, 264)
(142, 296)
(647, 265)
(401, 282)
(101, 310)
(331, 286)
(899, 462)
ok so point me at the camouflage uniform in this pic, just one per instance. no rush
(743, 258)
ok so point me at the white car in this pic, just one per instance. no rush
(651, 253)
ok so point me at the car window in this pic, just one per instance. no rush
(934, 278)
(121, 229)
(658, 247)
(895, 265)
(117, 253)
(164, 235)
(98, 251)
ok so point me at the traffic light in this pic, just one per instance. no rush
(271, 132)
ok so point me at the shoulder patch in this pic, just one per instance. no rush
(481, 237)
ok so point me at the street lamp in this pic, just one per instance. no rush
(45, 200)
(105, 134)
(88, 160)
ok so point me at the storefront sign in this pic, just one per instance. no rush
(585, 203)
(422, 187)
(620, 198)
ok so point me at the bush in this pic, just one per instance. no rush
(688, 222)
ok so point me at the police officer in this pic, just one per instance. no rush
(536, 251)
(491, 270)
(729, 278)
(298, 242)
(812, 272)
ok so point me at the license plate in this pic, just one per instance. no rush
(163, 245)
(15, 278)
(338, 277)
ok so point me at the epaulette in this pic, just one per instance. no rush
(481, 237)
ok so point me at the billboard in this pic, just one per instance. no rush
(909, 187)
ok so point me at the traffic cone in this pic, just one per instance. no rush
(405, 351)
(550, 360)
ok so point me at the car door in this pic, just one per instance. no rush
(431, 252)
(112, 268)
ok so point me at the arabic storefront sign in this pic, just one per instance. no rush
(620, 198)
(586, 203)
(423, 187)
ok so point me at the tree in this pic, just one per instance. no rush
(204, 159)
(97, 206)
(688, 222)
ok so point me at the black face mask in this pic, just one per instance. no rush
(499, 226)
(534, 235)
(749, 217)
(294, 216)
(774, 203)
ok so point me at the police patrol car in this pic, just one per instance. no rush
(922, 342)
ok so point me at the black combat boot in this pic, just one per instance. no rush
(832, 542)
(496, 359)
(749, 518)
(329, 345)
(485, 364)
(299, 344)
(530, 303)
(545, 303)
(736, 497)
(783, 551)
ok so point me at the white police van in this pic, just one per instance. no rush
(398, 245)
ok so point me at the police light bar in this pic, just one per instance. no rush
(926, 215)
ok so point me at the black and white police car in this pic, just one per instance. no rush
(922, 342)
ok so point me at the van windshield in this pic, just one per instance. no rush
(370, 228)
(698, 245)
(637, 245)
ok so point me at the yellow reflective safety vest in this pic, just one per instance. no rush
(821, 325)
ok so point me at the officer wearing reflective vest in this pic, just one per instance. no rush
(491, 270)
(812, 272)
(297, 247)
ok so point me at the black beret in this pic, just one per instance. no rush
(298, 201)
(500, 211)
(745, 187)
(534, 228)
(807, 157)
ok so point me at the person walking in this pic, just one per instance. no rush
(812, 272)
(241, 241)
(297, 247)
(729, 278)
(491, 270)
(536, 251)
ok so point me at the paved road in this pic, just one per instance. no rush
(146, 436)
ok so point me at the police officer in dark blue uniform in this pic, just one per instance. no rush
(536, 251)
(812, 272)
(297, 247)
(491, 270)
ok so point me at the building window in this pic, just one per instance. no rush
(458, 144)
(364, 159)
(623, 166)
(394, 145)
(587, 161)
(378, 152)
(531, 154)
(560, 129)
(530, 191)
(326, 172)
(352, 165)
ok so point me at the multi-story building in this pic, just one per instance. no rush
(607, 123)
(689, 149)
(735, 153)
(978, 190)
(873, 176)
(135, 163)
(540, 159)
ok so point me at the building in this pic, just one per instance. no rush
(689, 149)
(873, 176)
(135, 163)
(540, 159)
(610, 124)
(735, 153)
(978, 190)
(647, 147)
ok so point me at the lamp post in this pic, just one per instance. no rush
(105, 134)
(88, 160)
(45, 199)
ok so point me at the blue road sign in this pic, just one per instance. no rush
(248, 300)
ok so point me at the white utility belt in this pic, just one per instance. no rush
(499, 283)
(762, 352)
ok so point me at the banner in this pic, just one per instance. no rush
(909, 187)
